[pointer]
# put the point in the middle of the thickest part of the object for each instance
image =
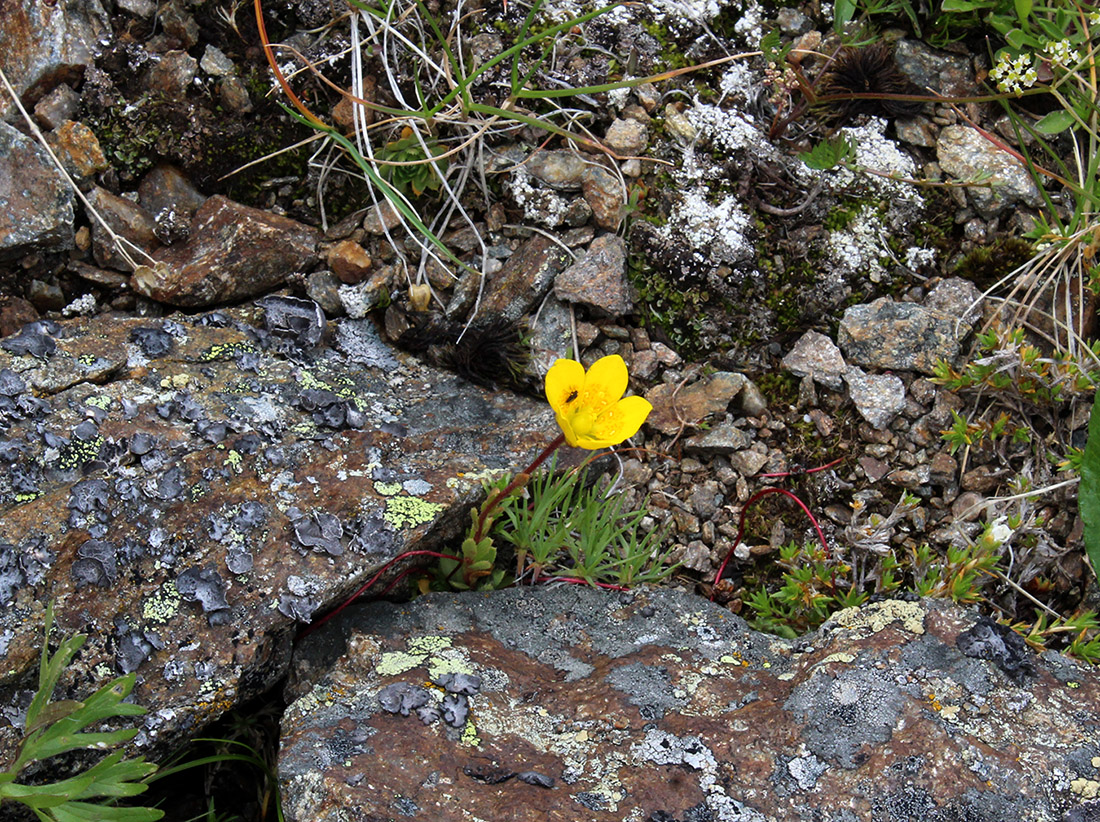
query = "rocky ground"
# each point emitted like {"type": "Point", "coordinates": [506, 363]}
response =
{"type": "Point", "coordinates": [780, 319]}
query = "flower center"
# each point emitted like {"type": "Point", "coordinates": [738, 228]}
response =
{"type": "Point", "coordinates": [583, 421]}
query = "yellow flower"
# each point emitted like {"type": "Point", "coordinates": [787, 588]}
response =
{"type": "Point", "coordinates": [588, 406]}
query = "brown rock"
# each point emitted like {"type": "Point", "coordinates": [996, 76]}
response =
{"type": "Point", "coordinates": [172, 73]}
{"type": "Point", "coordinates": [524, 279]}
{"type": "Point", "coordinates": [604, 193]}
{"type": "Point", "coordinates": [166, 190]}
{"type": "Point", "coordinates": [36, 203]}
{"type": "Point", "coordinates": [46, 43]}
{"type": "Point", "coordinates": [233, 252]}
{"type": "Point", "coordinates": [984, 479]}
{"type": "Point", "coordinates": [575, 704]}
{"type": "Point", "coordinates": [125, 218]}
{"type": "Point", "coordinates": [205, 457]}
{"type": "Point", "coordinates": [674, 409]}
{"type": "Point", "coordinates": [349, 261]}
{"type": "Point", "coordinates": [15, 312]}
{"type": "Point", "coordinates": [78, 150]}
{"type": "Point", "coordinates": [598, 279]}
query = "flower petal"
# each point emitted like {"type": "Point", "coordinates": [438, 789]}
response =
{"type": "Point", "coordinates": [622, 420]}
{"type": "Point", "coordinates": [604, 383]}
{"type": "Point", "coordinates": [564, 383]}
{"type": "Point", "coordinates": [567, 429]}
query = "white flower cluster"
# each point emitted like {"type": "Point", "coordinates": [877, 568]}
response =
{"type": "Point", "coordinates": [1062, 53]}
{"type": "Point", "coordinates": [1013, 74]}
{"type": "Point", "coordinates": [1094, 18]}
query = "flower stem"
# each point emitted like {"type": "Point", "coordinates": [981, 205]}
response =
{"type": "Point", "coordinates": [518, 481]}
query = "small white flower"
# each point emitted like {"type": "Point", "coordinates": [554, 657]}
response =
{"type": "Point", "coordinates": [1000, 531]}
{"type": "Point", "coordinates": [1094, 18]}
{"type": "Point", "coordinates": [1063, 53]}
{"type": "Point", "coordinates": [1013, 75]}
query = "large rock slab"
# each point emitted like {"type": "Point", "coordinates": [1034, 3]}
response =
{"type": "Point", "coordinates": [190, 490]}
{"type": "Point", "coordinates": [571, 703]}
{"type": "Point", "coordinates": [36, 204]}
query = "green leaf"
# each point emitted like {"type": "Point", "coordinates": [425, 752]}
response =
{"type": "Point", "coordinates": [1017, 39]}
{"type": "Point", "coordinates": [1055, 123]}
{"type": "Point", "coordinates": [1088, 496]}
{"type": "Point", "coordinates": [828, 153]}
{"type": "Point", "coordinates": [1023, 9]}
{"type": "Point", "coordinates": [843, 12]}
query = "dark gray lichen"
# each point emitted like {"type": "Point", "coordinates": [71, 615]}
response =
{"type": "Point", "coordinates": [153, 342]}
{"type": "Point", "coordinates": [207, 588]}
{"type": "Point", "coordinates": [999, 644]}
{"type": "Point", "coordinates": [33, 339]}
{"type": "Point", "coordinates": [456, 709]}
{"type": "Point", "coordinates": [319, 531]}
{"type": "Point", "coordinates": [300, 320]}
{"type": "Point", "coordinates": [96, 564]}
{"type": "Point", "coordinates": [403, 698]}
{"type": "Point", "coordinates": [459, 683]}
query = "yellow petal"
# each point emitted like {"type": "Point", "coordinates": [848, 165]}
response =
{"type": "Point", "coordinates": [564, 383]}
{"type": "Point", "coordinates": [567, 429]}
{"type": "Point", "coordinates": [622, 420]}
{"type": "Point", "coordinates": [604, 383]}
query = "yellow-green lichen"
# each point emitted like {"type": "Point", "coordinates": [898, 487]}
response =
{"type": "Point", "coordinates": [175, 382]}
{"type": "Point", "coordinates": [410, 512]}
{"type": "Point", "coordinates": [393, 663]}
{"type": "Point", "coordinates": [233, 461]}
{"type": "Point", "coordinates": [163, 605]}
{"type": "Point", "coordinates": [469, 735]}
{"type": "Point", "coordinates": [226, 351]}
{"type": "Point", "coordinates": [879, 615]}
{"type": "Point", "coordinates": [78, 452]}
{"type": "Point", "coordinates": [387, 489]}
{"type": "Point", "coordinates": [27, 496]}
{"type": "Point", "coordinates": [100, 401]}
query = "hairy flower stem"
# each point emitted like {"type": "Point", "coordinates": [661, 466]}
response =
{"type": "Point", "coordinates": [518, 481]}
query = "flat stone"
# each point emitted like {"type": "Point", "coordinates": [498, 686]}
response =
{"type": "Point", "coordinates": [46, 43]}
{"type": "Point", "coordinates": [890, 335]}
{"type": "Point", "coordinates": [674, 409]}
{"type": "Point", "coordinates": [76, 146]}
{"type": "Point", "coordinates": [722, 439]}
{"type": "Point", "coordinates": [208, 451]}
{"type": "Point", "coordinates": [233, 252]}
{"type": "Point", "coordinates": [524, 279]}
{"type": "Point", "coordinates": [659, 705]}
{"type": "Point", "coordinates": [36, 203]}
{"type": "Point", "coordinates": [560, 169]}
{"type": "Point", "coordinates": [57, 107]}
{"type": "Point", "coordinates": [598, 279]}
{"type": "Point", "coordinates": [878, 397]}
{"type": "Point", "coordinates": [604, 193]}
{"type": "Point", "coordinates": [125, 218]}
{"type": "Point", "coordinates": [964, 154]}
{"type": "Point", "coordinates": [626, 136]}
{"type": "Point", "coordinates": [551, 336]}
{"type": "Point", "coordinates": [816, 356]}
